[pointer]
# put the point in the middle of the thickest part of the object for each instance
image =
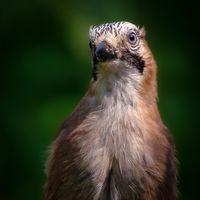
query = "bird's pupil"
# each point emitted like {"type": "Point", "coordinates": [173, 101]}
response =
{"type": "Point", "coordinates": [132, 37]}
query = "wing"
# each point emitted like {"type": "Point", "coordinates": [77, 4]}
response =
{"type": "Point", "coordinates": [168, 189]}
{"type": "Point", "coordinates": [61, 171]}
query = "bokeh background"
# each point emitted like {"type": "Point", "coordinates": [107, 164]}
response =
{"type": "Point", "coordinates": [45, 69]}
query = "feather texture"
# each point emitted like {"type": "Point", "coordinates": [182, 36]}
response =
{"type": "Point", "coordinates": [114, 146]}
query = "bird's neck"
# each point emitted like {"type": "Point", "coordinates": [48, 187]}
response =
{"type": "Point", "coordinates": [122, 88]}
{"type": "Point", "coordinates": [118, 105]}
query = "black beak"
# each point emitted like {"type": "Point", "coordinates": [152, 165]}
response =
{"type": "Point", "coordinates": [104, 53]}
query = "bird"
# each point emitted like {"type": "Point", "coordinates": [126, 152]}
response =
{"type": "Point", "coordinates": [114, 145]}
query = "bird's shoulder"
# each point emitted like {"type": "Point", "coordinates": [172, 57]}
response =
{"type": "Point", "coordinates": [76, 118]}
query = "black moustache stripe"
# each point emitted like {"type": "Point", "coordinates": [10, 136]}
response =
{"type": "Point", "coordinates": [94, 68]}
{"type": "Point", "coordinates": [134, 60]}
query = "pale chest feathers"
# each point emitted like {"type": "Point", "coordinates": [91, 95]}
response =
{"type": "Point", "coordinates": [120, 139]}
{"type": "Point", "coordinates": [115, 147]}
{"type": "Point", "coordinates": [116, 136]}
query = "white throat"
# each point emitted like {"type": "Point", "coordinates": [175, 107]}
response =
{"type": "Point", "coordinates": [117, 87]}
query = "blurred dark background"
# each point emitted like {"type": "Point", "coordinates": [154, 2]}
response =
{"type": "Point", "coordinates": [45, 69]}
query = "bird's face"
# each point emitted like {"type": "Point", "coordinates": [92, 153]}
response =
{"type": "Point", "coordinates": [117, 46]}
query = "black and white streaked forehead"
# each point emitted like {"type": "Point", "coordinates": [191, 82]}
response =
{"type": "Point", "coordinates": [115, 28]}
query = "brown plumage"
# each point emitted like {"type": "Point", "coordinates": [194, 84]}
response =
{"type": "Point", "coordinates": [114, 146]}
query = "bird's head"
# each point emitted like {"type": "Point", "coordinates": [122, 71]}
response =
{"type": "Point", "coordinates": [120, 48]}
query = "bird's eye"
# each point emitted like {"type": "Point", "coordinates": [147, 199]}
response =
{"type": "Point", "coordinates": [132, 37]}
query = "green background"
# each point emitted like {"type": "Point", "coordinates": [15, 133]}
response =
{"type": "Point", "coordinates": [45, 70]}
